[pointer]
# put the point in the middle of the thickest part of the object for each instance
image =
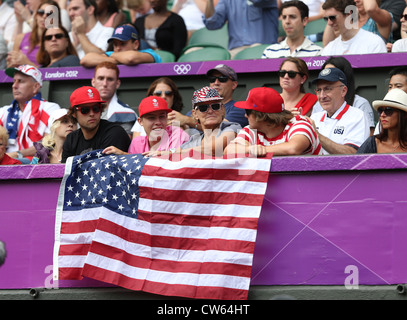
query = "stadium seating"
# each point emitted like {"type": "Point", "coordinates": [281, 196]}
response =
{"type": "Point", "coordinates": [251, 53]}
{"type": "Point", "coordinates": [166, 56]}
{"type": "Point", "coordinates": [315, 27]}
{"type": "Point", "coordinates": [204, 37]}
{"type": "Point", "coordinates": [207, 53]}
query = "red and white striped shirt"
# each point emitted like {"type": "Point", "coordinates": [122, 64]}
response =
{"type": "Point", "coordinates": [297, 125]}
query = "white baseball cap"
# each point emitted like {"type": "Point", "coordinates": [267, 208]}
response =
{"type": "Point", "coordinates": [27, 70]}
{"type": "Point", "coordinates": [56, 115]}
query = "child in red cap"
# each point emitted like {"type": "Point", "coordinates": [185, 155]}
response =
{"type": "Point", "coordinates": [272, 128]}
{"type": "Point", "coordinates": [153, 112]}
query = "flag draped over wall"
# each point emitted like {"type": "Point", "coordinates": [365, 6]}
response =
{"type": "Point", "coordinates": [183, 228]}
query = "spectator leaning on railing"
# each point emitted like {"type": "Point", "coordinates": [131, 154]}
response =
{"type": "Point", "coordinates": [125, 50]}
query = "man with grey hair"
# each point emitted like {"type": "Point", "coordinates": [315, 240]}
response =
{"type": "Point", "coordinates": [26, 118]}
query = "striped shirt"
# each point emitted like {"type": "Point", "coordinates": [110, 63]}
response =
{"type": "Point", "coordinates": [297, 125]}
{"type": "Point", "coordinates": [282, 50]}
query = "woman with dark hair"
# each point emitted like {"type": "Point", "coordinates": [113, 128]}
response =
{"type": "Point", "coordinates": [392, 137]}
{"type": "Point", "coordinates": [26, 45]}
{"type": "Point", "coordinates": [56, 49]}
{"type": "Point", "coordinates": [293, 74]}
{"type": "Point", "coordinates": [167, 89]}
{"type": "Point", "coordinates": [351, 97]}
{"type": "Point", "coordinates": [109, 14]}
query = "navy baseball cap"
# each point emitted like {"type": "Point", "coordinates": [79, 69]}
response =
{"type": "Point", "coordinates": [331, 75]}
{"type": "Point", "coordinates": [124, 33]}
{"type": "Point", "coordinates": [225, 70]}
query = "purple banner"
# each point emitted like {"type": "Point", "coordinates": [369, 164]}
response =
{"type": "Point", "coordinates": [324, 219]}
{"type": "Point", "coordinates": [200, 68]}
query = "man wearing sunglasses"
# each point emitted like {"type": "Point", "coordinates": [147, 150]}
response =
{"type": "Point", "coordinates": [94, 133]}
{"type": "Point", "coordinates": [224, 79]}
{"type": "Point", "coordinates": [341, 128]}
{"type": "Point", "coordinates": [294, 17]}
{"type": "Point", "coordinates": [106, 81]}
{"type": "Point", "coordinates": [348, 37]}
{"type": "Point", "coordinates": [26, 119]}
{"type": "Point", "coordinates": [126, 43]}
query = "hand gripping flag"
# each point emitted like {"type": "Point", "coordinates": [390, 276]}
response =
{"type": "Point", "coordinates": [181, 228]}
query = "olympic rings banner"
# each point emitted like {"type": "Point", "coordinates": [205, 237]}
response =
{"type": "Point", "coordinates": [200, 68]}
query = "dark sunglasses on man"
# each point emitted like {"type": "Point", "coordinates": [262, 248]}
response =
{"type": "Point", "coordinates": [222, 79]}
{"type": "Point", "coordinates": [205, 107]}
{"type": "Point", "coordinates": [332, 18]}
{"type": "Point", "coordinates": [85, 110]}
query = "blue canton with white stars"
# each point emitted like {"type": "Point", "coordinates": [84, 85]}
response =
{"type": "Point", "coordinates": [104, 180]}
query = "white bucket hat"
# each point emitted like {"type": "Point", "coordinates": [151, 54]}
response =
{"type": "Point", "coordinates": [395, 98]}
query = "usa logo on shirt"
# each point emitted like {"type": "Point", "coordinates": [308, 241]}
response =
{"type": "Point", "coordinates": [339, 130]}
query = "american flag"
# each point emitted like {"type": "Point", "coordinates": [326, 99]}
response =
{"type": "Point", "coordinates": [182, 227]}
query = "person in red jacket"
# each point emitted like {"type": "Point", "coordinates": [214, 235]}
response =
{"type": "Point", "coordinates": [4, 158]}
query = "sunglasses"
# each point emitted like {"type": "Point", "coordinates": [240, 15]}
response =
{"type": "Point", "coordinates": [85, 110]}
{"type": "Point", "coordinates": [387, 111]}
{"type": "Point", "coordinates": [222, 79]}
{"type": "Point", "coordinates": [332, 18]}
{"type": "Point", "coordinates": [57, 36]}
{"type": "Point", "coordinates": [291, 74]}
{"type": "Point", "coordinates": [403, 16]}
{"type": "Point", "coordinates": [159, 93]}
{"type": "Point", "coordinates": [205, 107]}
{"type": "Point", "coordinates": [41, 12]}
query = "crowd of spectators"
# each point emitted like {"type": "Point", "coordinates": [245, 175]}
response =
{"type": "Point", "coordinates": [101, 35]}
{"type": "Point", "coordinates": [352, 26]}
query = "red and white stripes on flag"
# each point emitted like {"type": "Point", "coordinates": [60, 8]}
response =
{"type": "Point", "coordinates": [192, 234]}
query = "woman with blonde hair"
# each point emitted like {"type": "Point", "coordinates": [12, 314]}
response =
{"type": "Point", "coordinates": [49, 150]}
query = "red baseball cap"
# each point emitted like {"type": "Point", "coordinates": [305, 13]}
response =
{"type": "Point", "coordinates": [151, 104]}
{"type": "Point", "coordinates": [85, 95]}
{"type": "Point", "coordinates": [263, 99]}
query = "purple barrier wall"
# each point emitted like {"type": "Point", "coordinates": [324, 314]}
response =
{"type": "Point", "coordinates": [323, 219]}
{"type": "Point", "coordinates": [200, 68]}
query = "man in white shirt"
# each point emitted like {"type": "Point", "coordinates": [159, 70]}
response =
{"type": "Point", "coordinates": [350, 38]}
{"type": "Point", "coordinates": [7, 23]}
{"type": "Point", "coordinates": [294, 17]}
{"type": "Point", "coordinates": [26, 118]}
{"type": "Point", "coordinates": [88, 34]}
{"type": "Point", "coordinates": [341, 128]}
{"type": "Point", "coordinates": [106, 81]}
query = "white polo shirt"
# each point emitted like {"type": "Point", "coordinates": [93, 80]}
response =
{"type": "Point", "coordinates": [348, 125]}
